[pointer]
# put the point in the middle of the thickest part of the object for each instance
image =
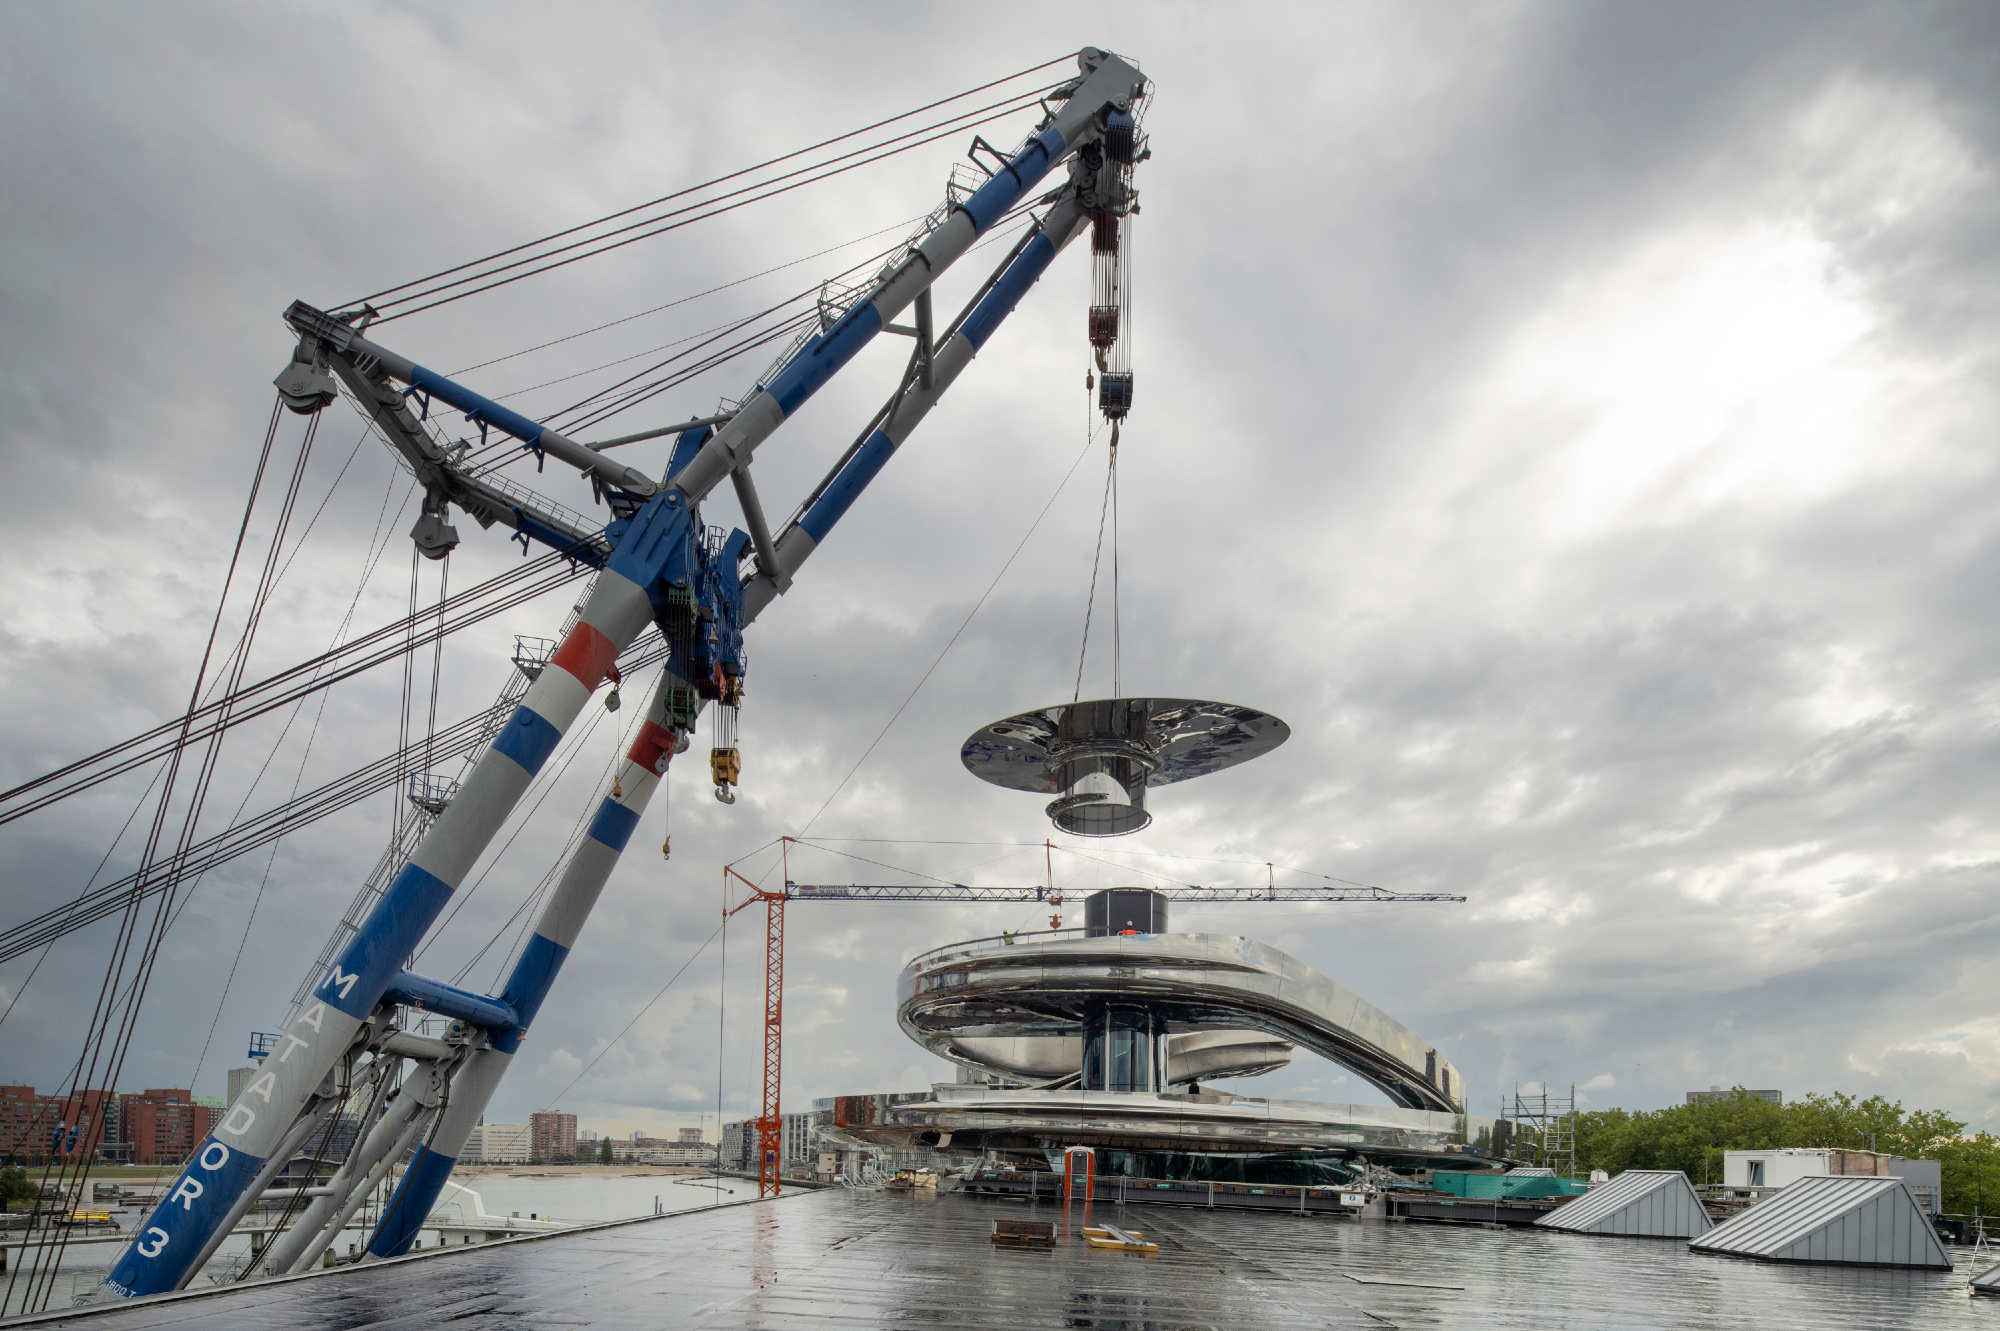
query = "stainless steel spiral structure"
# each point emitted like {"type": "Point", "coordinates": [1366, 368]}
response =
{"type": "Point", "coordinates": [1104, 1037]}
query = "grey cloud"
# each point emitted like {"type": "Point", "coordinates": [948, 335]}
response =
{"type": "Point", "coordinates": [1707, 758]}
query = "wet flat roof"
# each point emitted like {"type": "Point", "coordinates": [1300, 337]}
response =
{"type": "Point", "coordinates": [863, 1259]}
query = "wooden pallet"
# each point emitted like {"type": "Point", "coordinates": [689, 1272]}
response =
{"type": "Point", "coordinates": [1024, 1233]}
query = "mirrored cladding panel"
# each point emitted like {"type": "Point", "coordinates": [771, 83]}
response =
{"type": "Point", "coordinates": [1098, 758]}
{"type": "Point", "coordinates": [1121, 910]}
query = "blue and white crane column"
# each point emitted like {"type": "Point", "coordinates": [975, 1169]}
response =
{"type": "Point", "coordinates": [589, 868]}
{"type": "Point", "coordinates": [591, 865]}
{"type": "Point", "coordinates": [202, 1198]}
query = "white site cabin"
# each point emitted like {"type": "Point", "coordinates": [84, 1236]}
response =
{"type": "Point", "coordinates": [1759, 1172]}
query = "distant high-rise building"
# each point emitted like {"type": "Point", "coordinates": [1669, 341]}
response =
{"type": "Point", "coordinates": [691, 1137]}
{"type": "Point", "coordinates": [501, 1143]}
{"type": "Point", "coordinates": [801, 1145]}
{"type": "Point", "coordinates": [797, 1144]}
{"type": "Point", "coordinates": [739, 1147]}
{"type": "Point", "coordinates": [163, 1126]}
{"type": "Point", "coordinates": [39, 1127]}
{"type": "Point", "coordinates": [552, 1135]}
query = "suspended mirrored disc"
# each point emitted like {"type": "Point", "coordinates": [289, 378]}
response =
{"type": "Point", "coordinates": [1097, 758]}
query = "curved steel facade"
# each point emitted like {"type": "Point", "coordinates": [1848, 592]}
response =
{"type": "Point", "coordinates": [1028, 1122]}
{"type": "Point", "coordinates": [961, 1000]}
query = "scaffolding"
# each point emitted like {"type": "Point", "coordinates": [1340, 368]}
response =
{"type": "Point", "coordinates": [1548, 1122]}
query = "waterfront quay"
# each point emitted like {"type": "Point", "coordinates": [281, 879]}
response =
{"type": "Point", "coordinates": [864, 1259]}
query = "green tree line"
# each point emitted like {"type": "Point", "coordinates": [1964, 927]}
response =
{"type": "Point", "coordinates": [1692, 1138]}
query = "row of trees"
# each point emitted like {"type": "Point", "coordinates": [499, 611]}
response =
{"type": "Point", "coordinates": [1692, 1138]}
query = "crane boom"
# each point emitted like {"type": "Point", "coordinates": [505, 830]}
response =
{"type": "Point", "coordinates": [658, 565]}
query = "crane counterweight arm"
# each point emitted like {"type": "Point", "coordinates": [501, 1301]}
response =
{"type": "Point", "coordinates": [337, 337]}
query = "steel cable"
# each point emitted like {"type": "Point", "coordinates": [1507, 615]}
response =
{"type": "Point", "coordinates": [48, 1255]}
{"type": "Point", "coordinates": [955, 122]}
{"type": "Point", "coordinates": [496, 595]}
{"type": "Point", "coordinates": [453, 742]}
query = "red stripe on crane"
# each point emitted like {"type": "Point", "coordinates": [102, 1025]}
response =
{"type": "Point", "coordinates": [586, 654]}
{"type": "Point", "coordinates": [653, 749]}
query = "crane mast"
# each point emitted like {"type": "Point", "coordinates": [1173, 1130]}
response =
{"type": "Point", "coordinates": [657, 565]}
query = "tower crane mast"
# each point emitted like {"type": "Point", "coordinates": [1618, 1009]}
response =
{"type": "Point", "coordinates": [657, 564]}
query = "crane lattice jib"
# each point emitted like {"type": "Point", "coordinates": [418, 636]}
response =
{"type": "Point", "coordinates": [1189, 893]}
{"type": "Point", "coordinates": [655, 568]}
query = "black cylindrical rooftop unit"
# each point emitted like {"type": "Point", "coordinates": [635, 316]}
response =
{"type": "Point", "coordinates": [1120, 908]}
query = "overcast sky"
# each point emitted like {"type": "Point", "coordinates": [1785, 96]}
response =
{"type": "Point", "coordinates": [1576, 421]}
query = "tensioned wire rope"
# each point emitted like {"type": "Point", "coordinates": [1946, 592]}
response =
{"type": "Point", "coordinates": [202, 867]}
{"type": "Point", "coordinates": [953, 641]}
{"type": "Point", "coordinates": [496, 453]}
{"type": "Point", "coordinates": [592, 410]}
{"type": "Point", "coordinates": [159, 733]}
{"type": "Point", "coordinates": [715, 208]}
{"type": "Point", "coordinates": [1089, 441]}
{"type": "Point", "coordinates": [216, 686]}
{"type": "Point", "coordinates": [386, 291]}
{"type": "Point", "coordinates": [339, 794]}
{"type": "Point", "coordinates": [685, 300]}
{"type": "Point", "coordinates": [998, 111]}
{"type": "Point", "coordinates": [369, 562]}
{"type": "Point", "coordinates": [422, 289]}
{"type": "Point", "coordinates": [104, 1047]}
{"type": "Point", "coordinates": [544, 885]}
{"type": "Point", "coordinates": [409, 649]}
{"type": "Point", "coordinates": [520, 583]}
{"type": "Point", "coordinates": [69, 920]}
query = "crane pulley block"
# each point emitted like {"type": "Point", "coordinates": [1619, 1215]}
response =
{"type": "Point", "coordinates": [726, 766]}
{"type": "Point", "coordinates": [683, 707]}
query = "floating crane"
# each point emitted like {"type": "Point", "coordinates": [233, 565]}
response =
{"type": "Point", "coordinates": [657, 564]}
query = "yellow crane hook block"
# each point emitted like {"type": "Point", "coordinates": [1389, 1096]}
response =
{"type": "Point", "coordinates": [726, 766]}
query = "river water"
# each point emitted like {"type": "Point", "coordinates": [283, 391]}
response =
{"type": "Point", "coordinates": [581, 1199]}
